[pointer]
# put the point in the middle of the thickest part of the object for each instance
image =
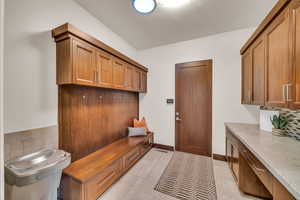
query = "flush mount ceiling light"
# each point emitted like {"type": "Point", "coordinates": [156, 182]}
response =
{"type": "Point", "coordinates": [144, 6]}
{"type": "Point", "coordinates": [172, 3]}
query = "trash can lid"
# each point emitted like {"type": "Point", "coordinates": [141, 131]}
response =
{"type": "Point", "coordinates": [36, 162]}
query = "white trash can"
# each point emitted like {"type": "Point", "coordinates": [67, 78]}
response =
{"type": "Point", "coordinates": [35, 176]}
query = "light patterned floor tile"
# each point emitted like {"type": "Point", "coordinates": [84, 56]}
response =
{"type": "Point", "coordinates": [139, 182]}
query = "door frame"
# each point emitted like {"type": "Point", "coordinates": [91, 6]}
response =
{"type": "Point", "coordinates": [208, 62]}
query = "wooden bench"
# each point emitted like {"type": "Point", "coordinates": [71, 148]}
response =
{"type": "Point", "coordinates": [89, 177]}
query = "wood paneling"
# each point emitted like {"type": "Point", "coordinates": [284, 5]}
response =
{"type": "Point", "coordinates": [90, 118]}
{"type": "Point", "coordinates": [194, 107]}
{"type": "Point", "coordinates": [64, 67]}
{"type": "Point", "coordinates": [277, 66]}
{"type": "Point", "coordinates": [246, 77]}
{"type": "Point", "coordinates": [258, 72]}
{"type": "Point", "coordinates": [294, 87]}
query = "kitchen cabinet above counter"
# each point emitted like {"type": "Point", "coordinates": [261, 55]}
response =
{"type": "Point", "coordinates": [270, 59]}
{"type": "Point", "coordinates": [279, 155]}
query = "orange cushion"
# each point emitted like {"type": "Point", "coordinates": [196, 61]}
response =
{"type": "Point", "coordinates": [140, 123]}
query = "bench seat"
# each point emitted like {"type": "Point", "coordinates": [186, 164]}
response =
{"type": "Point", "coordinates": [89, 177]}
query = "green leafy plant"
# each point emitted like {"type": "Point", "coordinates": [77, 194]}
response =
{"type": "Point", "coordinates": [278, 122]}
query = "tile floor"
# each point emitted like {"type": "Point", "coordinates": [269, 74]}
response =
{"type": "Point", "coordinates": [139, 182]}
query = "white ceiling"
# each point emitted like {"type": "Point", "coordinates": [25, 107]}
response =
{"type": "Point", "coordinates": [164, 26]}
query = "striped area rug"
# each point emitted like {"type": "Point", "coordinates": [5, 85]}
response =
{"type": "Point", "coordinates": [188, 177]}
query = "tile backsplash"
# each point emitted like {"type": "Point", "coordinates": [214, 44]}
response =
{"type": "Point", "coordinates": [29, 141]}
{"type": "Point", "coordinates": [293, 117]}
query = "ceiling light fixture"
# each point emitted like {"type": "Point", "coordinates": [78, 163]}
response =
{"type": "Point", "coordinates": [144, 6]}
{"type": "Point", "coordinates": [172, 3]}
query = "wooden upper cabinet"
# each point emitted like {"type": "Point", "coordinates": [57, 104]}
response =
{"type": "Point", "coordinates": [136, 76]}
{"type": "Point", "coordinates": [104, 65]}
{"type": "Point", "coordinates": [118, 73]}
{"type": "Point", "coordinates": [143, 85]}
{"type": "Point", "coordinates": [277, 63]}
{"type": "Point", "coordinates": [258, 72]}
{"type": "Point", "coordinates": [246, 77]}
{"type": "Point", "coordinates": [84, 63]}
{"type": "Point", "coordinates": [129, 77]}
{"type": "Point", "coordinates": [293, 88]}
{"type": "Point", "coordinates": [84, 60]}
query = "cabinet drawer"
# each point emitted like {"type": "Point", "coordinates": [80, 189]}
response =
{"type": "Point", "coordinates": [131, 157]}
{"type": "Point", "coordinates": [96, 186]}
{"type": "Point", "coordinates": [259, 169]}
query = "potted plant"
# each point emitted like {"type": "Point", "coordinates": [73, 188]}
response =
{"type": "Point", "coordinates": [279, 125]}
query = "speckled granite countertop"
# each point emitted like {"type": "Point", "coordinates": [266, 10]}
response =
{"type": "Point", "coordinates": [280, 155]}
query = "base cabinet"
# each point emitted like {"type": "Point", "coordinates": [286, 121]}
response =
{"type": "Point", "coordinates": [250, 174]}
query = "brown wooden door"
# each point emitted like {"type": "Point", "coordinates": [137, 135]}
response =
{"type": "Point", "coordinates": [246, 77]}
{"type": "Point", "coordinates": [294, 86]}
{"type": "Point", "coordinates": [136, 80]}
{"type": "Point", "coordinates": [84, 63]}
{"type": "Point", "coordinates": [104, 66]}
{"type": "Point", "coordinates": [258, 72]}
{"type": "Point", "coordinates": [129, 77]}
{"type": "Point", "coordinates": [277, 63]}
{"type": "Point", "coordinates": [194, 107]}
{"type": "Point", "coordinates": [118, 73]}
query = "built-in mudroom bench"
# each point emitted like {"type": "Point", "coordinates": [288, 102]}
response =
{"type": "Point", "coordinates": [98, 98]}
{"type": "Point", "coordinates": [262, 164]}
{"type": "Point", "coordinates": [89, 177]}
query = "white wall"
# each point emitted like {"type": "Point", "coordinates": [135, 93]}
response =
{"type": "Point", "coordinates": [1, 102]}
{"type": "Point", "coordinates": [224, 50]}
{"type": "Point", "coordinates": [29, 85]}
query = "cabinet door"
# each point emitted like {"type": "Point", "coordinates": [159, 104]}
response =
{"type": "Point", "coordinates": [129, 77]}
{"type": "Point", "coordinates": [136, 79]}
{"type": "Point", "coordinates": [104, 66]}
{"type": "Point", "coordinates": [235, 161]}
{"type": "Point", "coordinates": [294, 87]}
{"type": "Point", "coordinates": [143, 85]}
{"type": "Point", "coordinates": [228, 152]}
{"type": "Point", "coordinates": [118, 73]}
{"type": "Point", "coordinates": [84, 63]}
{"type": "Point", "coordinates": [277, 63]}
{"type": "Point", "coordinates": [246, 77]}
{"type": "Point", "coordinates": [258, 72]}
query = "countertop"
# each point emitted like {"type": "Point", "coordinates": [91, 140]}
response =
{"type": "Point", "coordinates": [280, 155]}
